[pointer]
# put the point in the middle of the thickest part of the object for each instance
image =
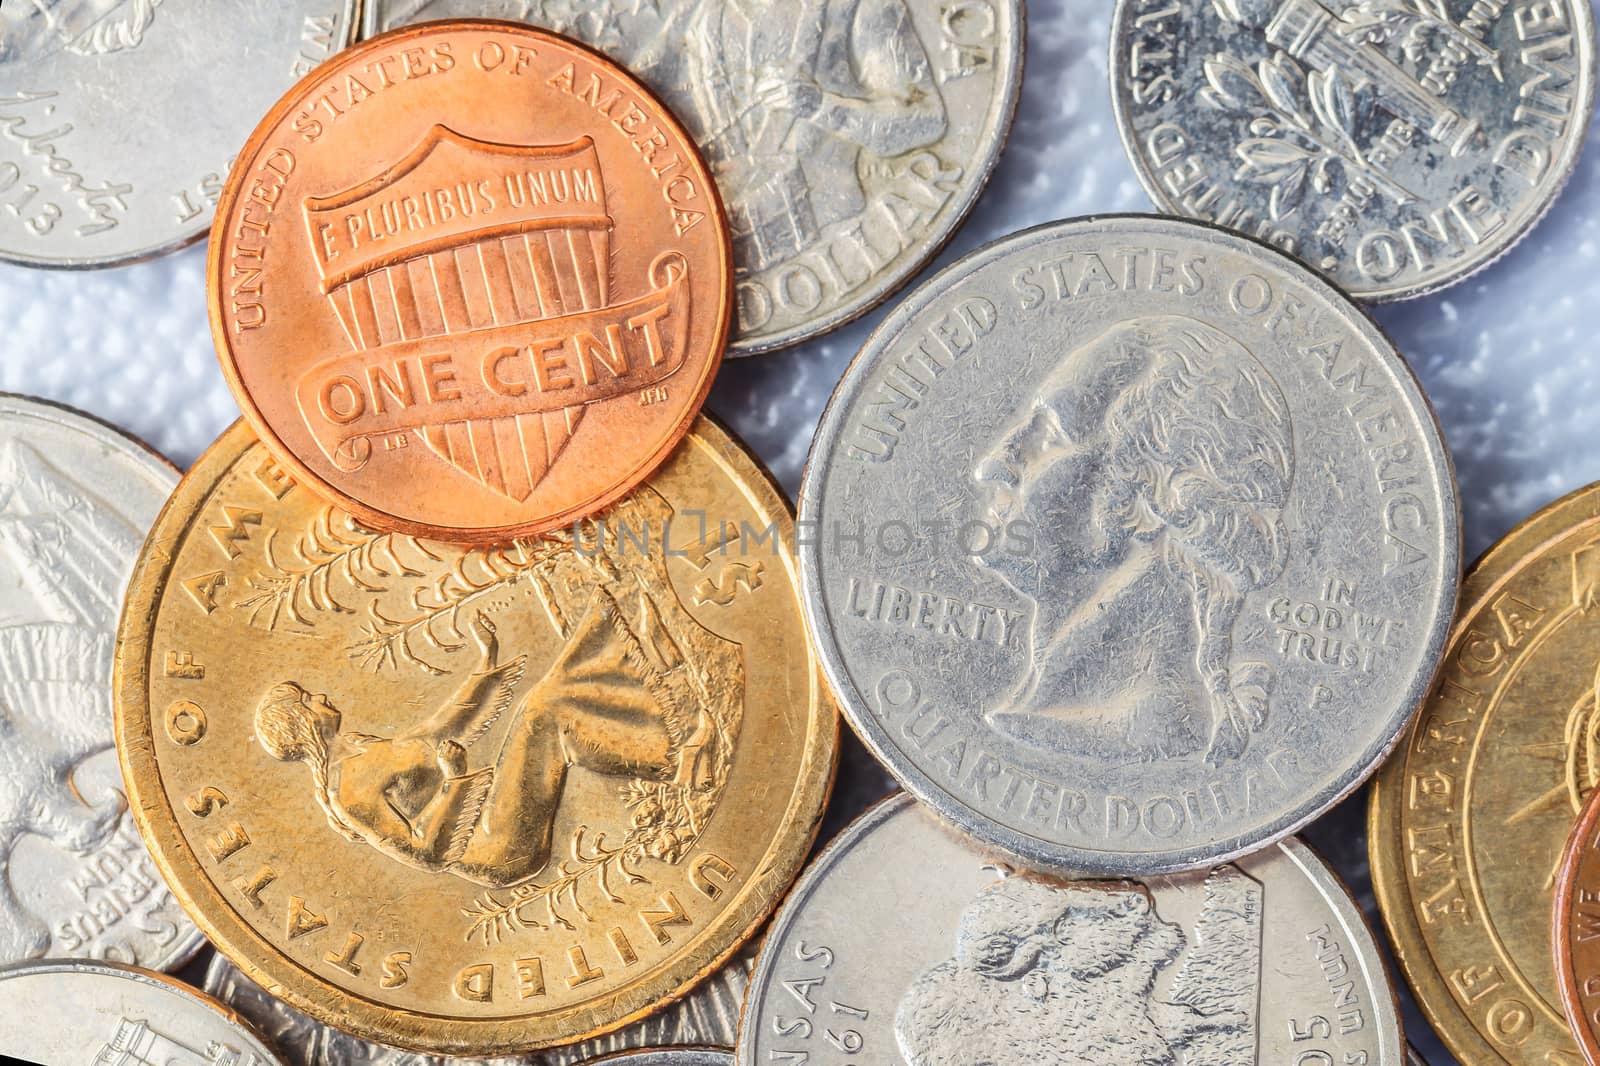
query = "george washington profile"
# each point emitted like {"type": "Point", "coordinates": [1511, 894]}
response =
{"type": "Point", "coordinates": [37, 29]}
{"type": "Point", "coordinates": [1154, 466]}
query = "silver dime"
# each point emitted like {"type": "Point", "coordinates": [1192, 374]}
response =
{"type": "Point", "coordinates": [119, 118]}
{"type": "Point", "coordinates": [1265, 960]}
{"type": "Point", "coordinates": [1129, 545]}
{"type": "Point", "coordinates": [1396, 145]}
{"type": "Point", "coordinates": [76, 499]}
{"type": "Point", "coordinates": [849, 137]}
{"type": "Point", "coordinates": [707, 1015]}
{"type": "Point", "coordinates": [94, 1012]}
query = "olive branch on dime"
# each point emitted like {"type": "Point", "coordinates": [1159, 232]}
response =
{"type": "Point", "coordinates": [558, 903]}
{"type": "Point", "coordinates": [333, 562]}
{"type": "Point", "coordinates": [1303, 126]}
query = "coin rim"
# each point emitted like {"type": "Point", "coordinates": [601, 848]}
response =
{"type": "Point", "coordinates": [1330, 887]}
{"type": "Point", "coordinates": [264, 963]}
{"type": "Point", "coordinates": [370, 515]}
{"type": "Point", "coordinates": [1033, 851]}
{"type": "Point", "coordinates": [110, 436]}
{"type": "Point", "coordinates": [1561, 919]}
{"type": "Point", "coordinates": [140, 975]}
{"type": "Point", "coordinates": [1385, 849]}
{"type": "Point", "coordinates": [353, 16]}
{"type": "Point", "coordinates": [1589, 75]}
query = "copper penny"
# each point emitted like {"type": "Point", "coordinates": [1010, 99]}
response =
{"type": "Point", "coordinates": [1575, 925]}
{"type": "Point", "coordinates": [470, 281]}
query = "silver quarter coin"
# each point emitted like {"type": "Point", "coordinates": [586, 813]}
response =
{"type": "Point", "coordinates": [1129, 544]}
{"type": "Point", "coordinates": [709, 1015]}
{"type": "Point", "coordinates": [670, 1057]}
{"type": "Point", "coordinates": [94, 1012]}
{"type": "Point", "coordinates": [76, 499]}
{"type": "Point", "coordinates": [119, 118]}
{"type": "Point", "coordinates": [1395, 145]}
{"type": "Point", "coordinates": [1265, 960]}
{"type": "Point", "coordinates": [849, 137]}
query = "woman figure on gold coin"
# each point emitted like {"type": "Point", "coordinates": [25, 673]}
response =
{"type": "Point", "coordinates": [600, 706]}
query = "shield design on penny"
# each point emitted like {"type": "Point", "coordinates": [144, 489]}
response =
{"type": "Point", "coordinates": [459, 237]}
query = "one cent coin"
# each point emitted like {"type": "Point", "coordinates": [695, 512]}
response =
{"type": "Point", "coordinates": [1576, 924]}
{"type": "Point", "coordinates": [118, 118]}
{"type": "Point", "coordinates": [470, 281]}
{"type": "Point", "coordinates": [1131, 545]}
{"type": "Point", "coordinates": [1468, 820]}
{"type": "Point", "coordinates": [1396, 147]}
{"type": "Point", "coordinates": [1265, 960]}
{"type": "Point", "coordinates": [849, 137]}
{"type": "Point", "coordinates": [61, 1011]}
{"type": "Point", "coordinates": [76, 499]}
{"type": "Point", "coordinates": [467, 800]}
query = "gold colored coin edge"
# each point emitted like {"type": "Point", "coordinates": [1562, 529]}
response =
{"type": "Point", "coordinates": [1526, 542]}
{"type": "Point", "coordinates": [265, 964]}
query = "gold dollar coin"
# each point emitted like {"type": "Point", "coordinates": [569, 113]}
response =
{"type": "Point", "coordinates": [474, 800]}
{"type": "Point", "coordinates": [1468, 820]}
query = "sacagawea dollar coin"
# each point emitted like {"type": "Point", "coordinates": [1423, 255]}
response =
{"type": "Point", "coordinates": [473, 801]}
{"type": "Point", "coordinates": [1468, 820]}
{"type": "Point", "coordinates": [1263, 960]}
{"type": "Point", "coordinates": [119, 118]}
{"type": "Point", "coordinates": [1574, 921]}
{"type": "Point", "coordinates": [1395, 147]}
{"type": "Point", "coordinates": [1130, 545]}
{"type": "Point", "coordinates": [470, 281]}
{"type": "Point", "coordinates": [76, 499]}
{"type": "Point", "coordinates": [849, 139]}
{"type": "Point", "coordinates": [64, 1011]}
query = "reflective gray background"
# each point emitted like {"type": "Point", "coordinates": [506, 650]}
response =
{"type": "Point", "coordinates": [1506, 357]}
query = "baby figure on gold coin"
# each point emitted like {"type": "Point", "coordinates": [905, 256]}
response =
{"type": "Point", "coordinates": [600, 706]}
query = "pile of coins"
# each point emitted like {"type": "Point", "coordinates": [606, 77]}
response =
{"type": "Point", "coordinates": [476, 695]}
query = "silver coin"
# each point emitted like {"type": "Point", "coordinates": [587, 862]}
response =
{"type": "Point", "coordinates": [902, 942]}
{"type": "Point", "coordinates": [1413, 1058]}
{"type": "Point", "coordinates": [1395, 145]}
{"type": "Point", "coordinates": [849, 137]}
{"type": "Point", "coordinates": [670, 1057]}
{"type": "Point", "coordinates": [76, 499]}
{"type": "Point", "coordinates": [1129, 545]}
{"type": "Point", "coordinates": [61, 1012]}
{"type": "Point", "coordinates": [709, 1015]}
{"type": "Point", "coordinates": [119, 118]}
